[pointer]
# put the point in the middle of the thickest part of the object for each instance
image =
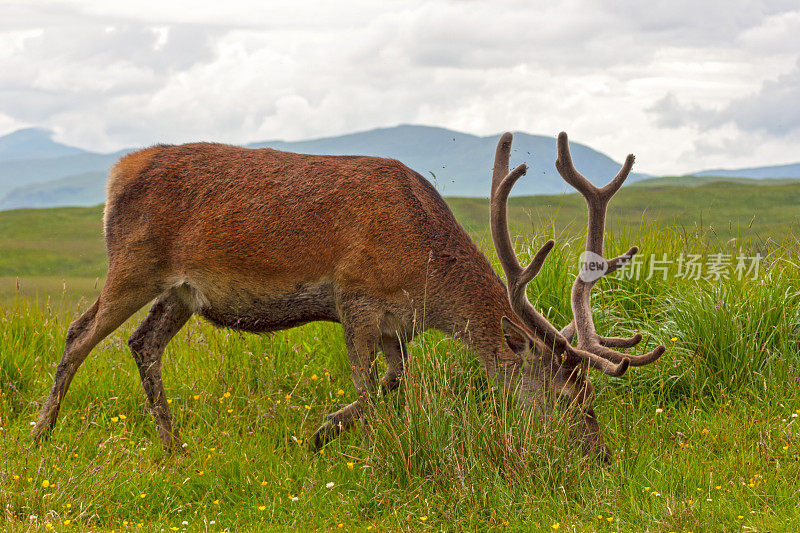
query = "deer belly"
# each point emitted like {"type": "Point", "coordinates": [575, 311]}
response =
{"type": "Point", "coordinates": [264, 312]}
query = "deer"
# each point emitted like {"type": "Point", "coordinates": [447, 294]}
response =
{"type": "Point", "coordinates": [260, 240]}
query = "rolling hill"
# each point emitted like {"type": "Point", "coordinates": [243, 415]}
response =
{"type": "Point", "coordinates": [696, 181]}
{"type": "Point", "coordinates": [774, 171]}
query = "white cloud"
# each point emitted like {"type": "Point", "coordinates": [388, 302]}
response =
{"type": "Point", "coordinates": [622, 76]}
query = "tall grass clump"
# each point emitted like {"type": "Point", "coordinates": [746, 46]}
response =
{"type": "Point", "coordinates": [737, 332]}
{"type": "Point", "coordinates": [453, 431]}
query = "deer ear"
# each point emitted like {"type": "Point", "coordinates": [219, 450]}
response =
{"type": "Point", "coordinates": [516, 337]}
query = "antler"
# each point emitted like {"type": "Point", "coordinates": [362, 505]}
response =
{"type": "Point", "coordinates": [597, 201]}
{"type": "Point", "coordinates": [591, 347]}
{"type": "Point", "coordinates": [518, 277]}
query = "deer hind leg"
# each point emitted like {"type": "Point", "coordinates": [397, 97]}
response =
{"type": "Point", "coordinates": [118, 300]}
{"type": "Point", "coordinates": [394, 352]}
{"type": "Point", "coordinates": [167, 315]}
{"type": "Point", "coordinates": [362, 346]}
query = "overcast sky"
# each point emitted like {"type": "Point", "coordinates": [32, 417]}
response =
{"type": "Point", "coordinates": [684, 84]}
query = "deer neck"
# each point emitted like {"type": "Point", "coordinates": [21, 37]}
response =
{"type": "Point", "coordinates": [469, 303]}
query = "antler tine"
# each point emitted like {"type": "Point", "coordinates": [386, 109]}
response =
{"type": "Point", "coordinates": [567, 169]}
{"type": "Point", "coordinates": [516, 276]}
{"type": "Point", "coordinates": [605, 365]}
{"type": "Point", "coordinates": [597, 200]}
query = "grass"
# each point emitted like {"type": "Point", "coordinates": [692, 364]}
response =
{"type": "Point", "coordinates": [721, 210]}
{"type": "Point", "coordinates": [706, 440]}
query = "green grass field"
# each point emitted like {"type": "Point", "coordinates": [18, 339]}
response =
{"type": "Point", "coordinates": [705, 440]}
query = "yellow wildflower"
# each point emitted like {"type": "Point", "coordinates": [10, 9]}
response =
{"type": "Point", "coordinates": [340, 392]}
{"type": "Point", "coordinates": [350, 465]}
{"type": "Point", "coordinates": [423, 518]}
{"type": "Point", "coordinates": [315, 377]}
{"type": "Point", "coordinates": [263, 483]}
{"type": "Point", "coordinates": [122, 417]}
{"type": "Point", "coordinates": [262, 508]}
{"type": "Point", "coordinates": [45, 483]}
{"type": "Point", "coordinates": [556, 525]}
{"type": "Point", "coordinates": [115, 419]}
{"type": "Point", "coordinates": [673, 339]}
{"type": "Point", "coordinates": [196, 397]}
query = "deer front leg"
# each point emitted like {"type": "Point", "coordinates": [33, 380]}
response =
{"type": "Point", "coordinates": [362, 346]}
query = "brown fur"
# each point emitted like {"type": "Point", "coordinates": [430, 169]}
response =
{"type": "Point", "coordinates": [262, 240]}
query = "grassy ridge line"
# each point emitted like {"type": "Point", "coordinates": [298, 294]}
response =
{"type": "Point", "coordinates": [67, 242]}
{"type": "Point", "coordinates": [721, 210]}
{"type": "Point", "coordinates": [446, 452]}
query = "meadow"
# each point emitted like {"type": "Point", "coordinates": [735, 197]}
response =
{"type": "Point", "coordinates": [704, 440]}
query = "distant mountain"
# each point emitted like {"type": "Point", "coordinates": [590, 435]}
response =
{"type": "Point", "coordinates": [460, 164]}
{"type": "Point", "coordinates": [457, 163]}
{"type": "Point", "coordinates": [776, 171]}
{"type": "Point", "coordinates": [18, 173]}
{"type": "Point", "coordinates": [698, 181]}
{"type": "Point", "coordinates": [33, 143]}
{"type": "Point", "coordinates": [83, 189]}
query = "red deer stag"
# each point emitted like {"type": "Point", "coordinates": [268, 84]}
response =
{"type": "Point", "coordinates": [263, 240]}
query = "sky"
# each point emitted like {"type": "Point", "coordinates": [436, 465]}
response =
{"type": "Point", "coordinates": [683, 84]}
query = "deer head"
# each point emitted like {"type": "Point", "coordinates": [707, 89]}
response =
{"type": "Point", "coordinates": [563, 372]}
